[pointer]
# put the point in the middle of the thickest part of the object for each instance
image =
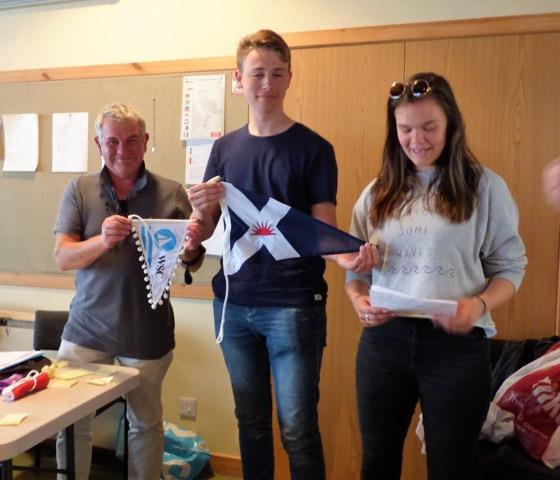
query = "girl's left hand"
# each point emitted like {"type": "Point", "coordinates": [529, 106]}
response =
{"type": "Point", "coordinates": [469, 310]}
{"type": "Point", "coordinates": [359, 262]}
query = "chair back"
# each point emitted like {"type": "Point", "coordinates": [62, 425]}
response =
{"type": "Point", "coordinates": [47, 331]}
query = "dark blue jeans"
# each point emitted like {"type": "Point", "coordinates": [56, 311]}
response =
{"type": "Point", "coordinates": [288, 342]}
{"type": "Point", "coordinates": [406, 360]}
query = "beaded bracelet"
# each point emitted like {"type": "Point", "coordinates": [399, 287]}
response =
{"type": "Point", "coordinates": [192, 263]}
{"type": "Point", "coordinates": [195, 260]}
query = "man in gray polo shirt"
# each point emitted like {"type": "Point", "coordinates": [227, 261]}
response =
{"type": "Point", "coordinates": [110, 318]}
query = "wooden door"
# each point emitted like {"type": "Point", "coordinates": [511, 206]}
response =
{"type": "Point", "coordinates": [507, 89]}
{"type": "Point", "coordinates": [340, 92]}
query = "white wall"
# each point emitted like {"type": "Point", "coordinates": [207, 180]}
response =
{"type": "Point", "coordinates": [119, 31]}
{"type": "Point", "coordinates": [104, 32]}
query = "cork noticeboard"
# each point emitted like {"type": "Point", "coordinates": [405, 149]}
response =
{"type": "Point", "coordinates": [29, 200]}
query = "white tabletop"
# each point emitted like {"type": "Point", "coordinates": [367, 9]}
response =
{"type": "Point", "coordinates": [53, 409]}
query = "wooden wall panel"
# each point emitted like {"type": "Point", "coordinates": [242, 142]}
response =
{"type": "Point", "coordinates": [340, 92]}
{"type": "Point", "coordinates": [506, 88]}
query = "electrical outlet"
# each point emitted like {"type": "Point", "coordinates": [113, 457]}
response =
{"type": "Point", "coordinates": [187, 407]}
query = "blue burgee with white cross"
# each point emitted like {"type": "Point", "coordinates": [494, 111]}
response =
{"type": "Point", "coordinates": [254, 221]}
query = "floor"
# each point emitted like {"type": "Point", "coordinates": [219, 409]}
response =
{"type": "Point", "coordinates": [105, 467]}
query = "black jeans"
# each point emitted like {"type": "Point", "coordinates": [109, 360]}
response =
{"type": "Point", "coordinates": [406, 360]}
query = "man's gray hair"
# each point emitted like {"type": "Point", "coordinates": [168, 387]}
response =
{"type": "Point", "coordinates": [121, 113]}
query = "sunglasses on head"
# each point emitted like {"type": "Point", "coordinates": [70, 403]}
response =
{"type": "Point", "coordinates": [418, 89]}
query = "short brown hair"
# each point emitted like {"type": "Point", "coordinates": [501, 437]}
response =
{"type": "Point", "coordinates": [264, 39]}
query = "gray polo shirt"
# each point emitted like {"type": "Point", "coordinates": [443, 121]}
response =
{"type": "Point", "coordinates": [110, 311]}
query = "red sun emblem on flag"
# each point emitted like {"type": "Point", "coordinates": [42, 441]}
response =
{"type": "Point", "coordinates": [263, 229]}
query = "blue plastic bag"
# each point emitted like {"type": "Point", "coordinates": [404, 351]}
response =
{"type": "Point", "coordinates": [184, 453]}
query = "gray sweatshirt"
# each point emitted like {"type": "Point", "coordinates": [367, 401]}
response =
{"type": "Point", "coordinates": [424, 255]}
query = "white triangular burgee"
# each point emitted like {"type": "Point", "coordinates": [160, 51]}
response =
{"type": "Point", "coordinates": [160, 243]}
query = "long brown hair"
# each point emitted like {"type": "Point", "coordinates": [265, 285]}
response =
{"type": "Point", "coordinates": [455, 183]}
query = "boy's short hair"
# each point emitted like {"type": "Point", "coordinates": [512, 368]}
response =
{"type": "Point", "coordinates": [264, 39]}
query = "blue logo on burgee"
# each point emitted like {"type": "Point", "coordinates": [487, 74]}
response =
{"type": "Point", "coordinates": [165, 239]}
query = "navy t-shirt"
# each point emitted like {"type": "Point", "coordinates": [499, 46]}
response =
{"type": "Point", "coordinates": [296, 167]}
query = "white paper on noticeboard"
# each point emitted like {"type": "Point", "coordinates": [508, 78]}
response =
{"type": "Point", "coordinates": [215, 244]}
{"type": "Point", "coordinates": [198, 153]}
{"type": "Point", "coordinates": [203, 106]}
{"type": "Point", "coordinates": [70, 142]}
{"type": "Point", "coordinates": [21, 142]}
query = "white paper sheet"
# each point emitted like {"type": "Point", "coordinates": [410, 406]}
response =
{"type": "Point", "coordinates": [203, 106]}
{"type": "Point", "coordinates": [198, 152]}
{"type": "Point", "coordinates": [10, 359]}
{"type": "Point", "coordinates": [407, 306]}
{"type": "Point", "coordinates": [21, 141]}
{"type": "Point", "coordinates": [215, 244]}
{"type": "Point", "coordinates": [70, 142]}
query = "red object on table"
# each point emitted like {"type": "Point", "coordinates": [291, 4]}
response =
{"type": "Point", "coordinates": [33, 382]}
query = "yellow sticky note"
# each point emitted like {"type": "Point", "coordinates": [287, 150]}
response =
{"type": "Point", "coordinates": [101, 380]}
{"type": "Point", "coordinates": [13, 419]}
{"type": "Point", "coordinates": [49, 369]}
{"type": "Point", "coordinates": [72, 373]}
{"type": "Point", "coordinates": [59, 383]}
{"type": "Point", "coordinates": [106, 371]}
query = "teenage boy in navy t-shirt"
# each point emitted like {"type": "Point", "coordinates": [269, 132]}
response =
{"type": "Point", "coordinates": [275, 315]}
